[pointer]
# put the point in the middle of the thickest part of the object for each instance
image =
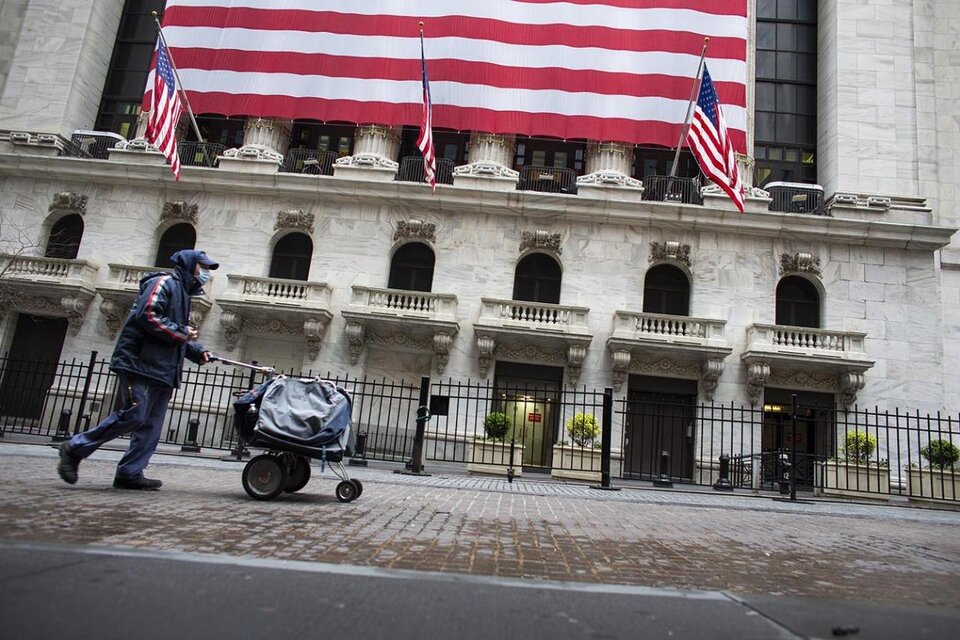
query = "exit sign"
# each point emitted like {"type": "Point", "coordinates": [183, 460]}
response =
{"type": "Point", "coordinates": [534, 417]}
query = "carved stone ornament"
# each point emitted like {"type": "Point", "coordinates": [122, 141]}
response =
{"type": "Point", "coordinates": [850, 383]}
{"type": "Point", "coordinates": [670, 250]}
{"type": "Point", "coordinates": [799, 263]}
{"type": "Point", "coordinates": [179, 210]}
{"type": "Point", "coordinates": [253, 152]}
{"type": "Point", "coordinates": [485, 348]}
{"type": "Point", "coordinates": [294, 219]}
{"type": "Point", "coordinates": [354, 331]}
{"type": "Point", "coordinates": [540, 239]}
{"type": "Point", "coordinates": [710, 372]}
{"type": "Point", "coordinates": [232, 328]}
{"type": "Point", "coordinates": [621, 367]}
{"type": "Point", "coordinates": [485, 170]}
{"type": "Point", "coordinates": [748, 192]}
{"type": "Point", "coordinates": [367, 160]}
{"type": "Point", "coordinates": [441, 349]}
{"type": "Point", "coordinates": [68, 201]}
{"type": "Point", "coordinates": [757, 375]}
{"type": "Point", "coordinates": [575, 355]}
{"type": "Point", "coordinates": [313, 329]}
{"type": "Point", "coordinates": [414, 230]}
{"type": "Point", "coordinates": [609, 178]}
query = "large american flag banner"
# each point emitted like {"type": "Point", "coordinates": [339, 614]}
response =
{"type": "Point", "coordinates": [163, 102]}
{"type": "Point", "coordinates": [613, 70]}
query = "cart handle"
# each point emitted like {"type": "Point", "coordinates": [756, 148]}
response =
{"type": "Point", "coordinates": [215, 358]}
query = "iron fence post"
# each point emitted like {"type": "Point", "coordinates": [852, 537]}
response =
{"type": "Point", "coordinates": [793, 448]}
{"type": "Point", "coordinates": [664, 479]}
{"type": "Point", "coordinates": [606, 436]}
{"type": "Point", "coordinates": [63, 425]}
{"type": "Point", "coordinates": [510, 470]}
{"type": "Point", "coordinates": [723, 482]}
{"type": "Point", "coordinates": [415, 466]}
{"type": "Point", "coordinates": [193, 424]}
{"type": "Point", "coordinates": [86, 391]}
{"type": "Point", "coordinates": [1, 421]}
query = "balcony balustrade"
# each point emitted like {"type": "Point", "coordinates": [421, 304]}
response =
{"type": "Point", "coordinates": [541, 331]}
{"type": "Point", "coordinates": [680, 345]}
{"type": "Point", "coordinates": [200, 154]}
{"type": "Point", "coordinates": [253, 305]}
{"type": "Point", "coordinates": [416, 321]}
{"type": "Point", "coordinates": [672, 189]}
{"type": "Point", "coordinates": [805, 357]}
{"type": "Point", "coordinates": [309, 161]}
{"type": "Point", "coordinates": [55, 287]}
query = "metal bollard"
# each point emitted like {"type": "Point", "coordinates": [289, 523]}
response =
{"type": "Point", "coordinates": [785, 478]}
{"type": "Point", "coordinates": [359, 457]}
{"type": "Point", "coordinates": [664, 479]}
{"type": "Point", "coordinates": [193, 424]}
{"type": "Point", "coordinates": [86, 424]}
{"type": "Point", "coordinates": [510, 470]}
{"type": "Point", "coordinates": [723, 482]}
{"type": "Point", "coordinates": [63, 426]}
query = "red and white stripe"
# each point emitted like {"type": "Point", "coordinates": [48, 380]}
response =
{"type": "Point", "coordinates": [165, 109]}
{"type": "Point", "coordinates": [618, 70]}
{"type": "Point", "coordinates": [150, 311]}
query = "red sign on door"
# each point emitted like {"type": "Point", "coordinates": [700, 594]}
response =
{"type": "Point", "coordinates": [534, 417]}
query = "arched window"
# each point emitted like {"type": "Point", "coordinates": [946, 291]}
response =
{"type": "Point", "coordinates": [65, 235]}
{"type": "Point", "coordinates": [291, 257]}
{"type": "Point", "coordinates": [798, 303]}
{"type": "Point", "coordinates": [666, 290]}
{"type": "Point", "coordinates": [179, 236]}
{"type": "Point", "coordinates": [537, 279]}
{"type": "Point", "coordinates": [412, 268]}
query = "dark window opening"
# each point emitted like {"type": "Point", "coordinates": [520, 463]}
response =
{"type": "Point", "coordinates": [537, 279]}
{"type": "Point", "coordinates": [129, 65]}
{"type": "Point", "coordinates": [291, 257]}
{"type": "Point", "coordinates": [546, 152]}
{"type": "Point", "coordinates": [179, 236]}
{"type": "Point", "coordinates": [666, 290]}
{"type": "Point", "coordinates": [411, 268]}
{"type": "Point", "coordinates": [65, 236]}
{"type": "Point", "coordinates": [798, 303]}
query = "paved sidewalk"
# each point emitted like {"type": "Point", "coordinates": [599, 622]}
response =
{"type": "Point", "coordinates": [451, 522]}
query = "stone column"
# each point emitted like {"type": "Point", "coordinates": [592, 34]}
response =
{"type": "Point", "coordinates": [491, 157]}
{"type": "Point", "coordinates": [375, 150]}
{"type": "Point", "coordinates": [608, 165]}
{"type": "Point", "coordinates": [265, 140]}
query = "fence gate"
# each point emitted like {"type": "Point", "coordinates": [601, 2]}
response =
{"type": "Point", "coordinates": [657, 422]}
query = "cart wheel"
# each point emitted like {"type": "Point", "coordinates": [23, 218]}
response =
{"type": "Point", "coordinates": [346, 491]}
{"type": "Point", "coordinates": [359, 487]}
{"type": "Point", "coordinates": [298, 475]}
{"type": "Point", "coordinates": [264, 477]}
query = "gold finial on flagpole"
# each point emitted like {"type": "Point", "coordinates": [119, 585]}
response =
{"type": "Point", "coordinates": [154, 14]}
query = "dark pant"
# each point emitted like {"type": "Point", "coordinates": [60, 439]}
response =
{"type": "Point", "coordinates": [144, 405]}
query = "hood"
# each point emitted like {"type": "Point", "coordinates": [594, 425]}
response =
{"type": "Point", "coordinates": [185, 262]}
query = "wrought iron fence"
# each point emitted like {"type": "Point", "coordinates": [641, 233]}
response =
{"type": "Point", "coordinates": [200, 154]}
{"type": "Point", "coordinates": [545, 428]}
{"type": "Point", "coordinates": [672, 189]}
{"type": "Point", "coordinates": [547, 179]}
{"type": "Point", "coordinates": [309, 161]}
{"type": "Point", "coordinates": [411, 170]}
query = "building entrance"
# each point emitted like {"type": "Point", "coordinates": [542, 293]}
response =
{"type": "Point", "coordinates": [30, 366]}
{"type": "Point", "coordinates": [530, 396]}
{"type": "Point", "coordinates": [809, 437]}
{"type": "Point", "coordinates": [659, 417]}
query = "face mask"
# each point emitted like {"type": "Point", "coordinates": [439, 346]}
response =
{"type": "Point", "coordinates": [204, 276]}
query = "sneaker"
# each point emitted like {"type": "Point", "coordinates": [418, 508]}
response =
{"type": "Point", "coordinates": [141, 483]}
{"type": "Point", "coordinates": [67, 468]}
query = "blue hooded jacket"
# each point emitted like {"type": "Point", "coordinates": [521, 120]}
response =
{"type": "Point", "coordinates": [153, 341]}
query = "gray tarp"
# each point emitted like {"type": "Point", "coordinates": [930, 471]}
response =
{"type": "Point", "coordinates": [312, 412]}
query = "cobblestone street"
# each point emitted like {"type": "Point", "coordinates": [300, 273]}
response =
{"type": "Point", "coordinates": [530, 529]}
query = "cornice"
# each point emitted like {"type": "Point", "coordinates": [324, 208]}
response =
{"type": "Point", "coordinates": [616, 207]}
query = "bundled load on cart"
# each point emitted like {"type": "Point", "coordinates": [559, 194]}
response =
{"type": "Point", "coordinates": [294, 419]}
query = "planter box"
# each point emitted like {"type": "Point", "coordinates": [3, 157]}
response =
{"type": "Point", "coordinates": [576, 463]}
{"type": "Point", "coordinates": [490, 456]}
{"type": "Point", "coordinates": [933, 484]}
{"type": "Point", "coordinates": [863, 481]}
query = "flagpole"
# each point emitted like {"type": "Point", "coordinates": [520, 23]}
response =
{"type": "Point", "coordinates": [686, 120]}
{"type": "Point", "coordinates": [183, 93]}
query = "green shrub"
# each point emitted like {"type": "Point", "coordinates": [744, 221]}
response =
{"type": "Point", "coordinates": [940, 454]}
{"type": "Point", "coordinates": [496, 425]}
{"type": "Point", "coordinates": [858, 446]}
{"type": "Point", "coordinates": [583, 429]}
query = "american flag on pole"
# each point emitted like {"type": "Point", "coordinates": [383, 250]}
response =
{"type": "Point", "coordinates": [612, 70]}
{"type": "Point", "coordinates": [425, 141]}
{"type": "Point", "coordinates": [711, 145]}
{"type": "Point", "coordinates": [165, 108]}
